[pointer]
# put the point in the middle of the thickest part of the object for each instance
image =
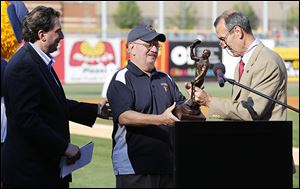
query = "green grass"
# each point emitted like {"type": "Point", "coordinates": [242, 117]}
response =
{"type": "Point", "coordinates": [99, 173]}
{"type": "Point", "coordinates": [296, 178]}
{"type": "Point", "coordinates": [83, 91]}
{"type": "Point", "coordinates": [293, 89]}
{"type": "Point", "coordinates": [103, 121]}
{"type": "Point", "coordinates": [93, 91]}
{"type": "Point", "coordinates": [293, 116]}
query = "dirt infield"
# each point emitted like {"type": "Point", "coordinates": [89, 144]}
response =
{"type": "Point", "coordinates": [293, 101]}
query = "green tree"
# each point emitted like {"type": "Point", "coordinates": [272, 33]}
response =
{"type": "Point", "coordinates": [185, 19]}
{"type": "Point", "coordinates": [293, 18]}
{"type": "Point", "coordinates": [128, 14]}
{"type": "Point", "coordinates": [246, 9]}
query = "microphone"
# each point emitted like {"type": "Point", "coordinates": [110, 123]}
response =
{"type": "Point", "coordinates": [219, 71]}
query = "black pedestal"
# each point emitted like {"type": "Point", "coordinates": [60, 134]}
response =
{"type": "Point", "coordinates": [233, 154]}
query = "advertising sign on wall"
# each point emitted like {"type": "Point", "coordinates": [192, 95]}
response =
{"type": "Point", "coordinates": [88, 60]}
{"type": "Point", "coordinates": [290, 55]}
{"type": "Point", "coordinates": [59, 57]}
{"type": "Point", "coordinates": [92, 60]}
{"type": "Point", "coordinates": [181, 65]}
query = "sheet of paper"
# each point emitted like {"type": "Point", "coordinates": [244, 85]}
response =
{"type": "Point", "coordinates": [85, 158]}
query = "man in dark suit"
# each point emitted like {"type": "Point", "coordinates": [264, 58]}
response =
{"type": "Point", "coordinates": [38, 112]}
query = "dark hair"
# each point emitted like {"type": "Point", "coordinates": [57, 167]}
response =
{"type": "Point", "coordinates": [233, 18]}
{"type": "Point", "coordinates": [40, 18]}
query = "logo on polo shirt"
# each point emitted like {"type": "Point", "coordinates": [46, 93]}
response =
{"type": "Point", "coordinates": [165, 86]}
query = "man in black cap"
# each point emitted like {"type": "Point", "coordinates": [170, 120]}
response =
{"type": "Point", "coordinates": [142, 99]}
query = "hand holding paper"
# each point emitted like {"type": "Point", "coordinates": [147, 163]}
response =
{"type": "Point", "coordinates": [72, 153]}
{"type": "Point", "coordinates": [86, 152]}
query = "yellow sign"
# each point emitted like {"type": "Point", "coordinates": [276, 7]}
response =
{"type": "Point", "coordinates": [290, 55]}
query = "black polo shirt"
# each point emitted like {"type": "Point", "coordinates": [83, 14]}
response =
{"type": "Point", "coordinates": [147, 149]}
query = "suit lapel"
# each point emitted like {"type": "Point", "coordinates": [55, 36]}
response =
{"type": "Point", "coordinates": [246, 78]}
{"type": "Point", "coordinates": [236, 89]}
{"type": "Point", "coordinates": [254, 56]}
{"type": "Point", "coordinates": [58, 82]}
{"type": "Point", "coordinates": [57, 90]}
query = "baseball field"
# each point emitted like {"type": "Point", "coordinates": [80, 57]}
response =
{"type": "Point", "coordinates": [99, 173]}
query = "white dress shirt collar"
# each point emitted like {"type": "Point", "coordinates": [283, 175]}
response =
{"type": "Point", "coordinates": [48, 59]}
{"type": "Point", "coordinates": [250, 51]}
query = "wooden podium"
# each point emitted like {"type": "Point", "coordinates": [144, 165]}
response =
{"type": "Point", "coordinates": [233, 154]}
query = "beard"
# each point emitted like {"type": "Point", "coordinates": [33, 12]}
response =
{"type": "Point", "coordinates": [53, 48]}
{"type": "Point", "coordinates": [151, 63]}
{"type": "Point", "coordinates": [151, 67]}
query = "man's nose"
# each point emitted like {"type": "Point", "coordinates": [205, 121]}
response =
{"type": "Point", "coordinates": [61, 35]}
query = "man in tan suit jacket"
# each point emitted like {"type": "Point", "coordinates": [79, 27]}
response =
{"type": "Point", "coordinates": [263, 71]}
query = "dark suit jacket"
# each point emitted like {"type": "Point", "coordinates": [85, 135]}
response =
{"type": "Point", "coordinates": [3, 66]}
{"type": "Point", "coordinates": [38, 116]}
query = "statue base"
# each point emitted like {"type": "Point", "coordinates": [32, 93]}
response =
{"type": "Point", "coordinates": [189, 110]}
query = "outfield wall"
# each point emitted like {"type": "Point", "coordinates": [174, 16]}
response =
{"type": "Point", "coordinates": [92, 60]}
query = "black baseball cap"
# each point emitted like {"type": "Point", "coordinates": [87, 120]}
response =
{"type": "Point", "coordinates": [145, 33]}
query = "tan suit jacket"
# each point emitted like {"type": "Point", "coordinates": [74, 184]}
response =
{"type": "Point", "coordinates": [266, 73]}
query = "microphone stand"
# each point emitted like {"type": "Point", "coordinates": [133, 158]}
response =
{"type": "Point", "coordinates": [233, 82]}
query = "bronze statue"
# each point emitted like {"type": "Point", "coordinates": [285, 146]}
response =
{"type": "Point", "coordinates": [190, 109]}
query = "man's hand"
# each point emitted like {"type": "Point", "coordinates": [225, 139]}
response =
{"type": "Point", "coordinates": [104, 110]}
{"type": "Point", "coordinates": [167, 117]}
{"type": "Point", "coordinates": [72, 153]}
{"type": "Point", "coordinates": [202, 97]}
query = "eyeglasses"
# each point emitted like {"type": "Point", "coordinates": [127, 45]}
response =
{"type": "Point", "coordinates": [223, 39]}
{"type": "Point", "coordinates": [149, 45]}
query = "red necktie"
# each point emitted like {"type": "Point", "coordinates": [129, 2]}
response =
{"type": "Point", "coordinates": [241, 69]}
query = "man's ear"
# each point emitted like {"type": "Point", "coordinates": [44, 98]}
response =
{"type": "Point", "coordinates": [41, 35]}
{"type": "Point", "coordinates": [240, 32]}
{"type": "Point", "coordinates": [129, 48]}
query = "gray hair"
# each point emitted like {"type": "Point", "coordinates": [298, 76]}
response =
{"type": "Point", "coordinates": [234, 18]}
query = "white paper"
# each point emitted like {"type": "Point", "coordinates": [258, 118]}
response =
{"type": "Point", "coordinates": [85, 158]}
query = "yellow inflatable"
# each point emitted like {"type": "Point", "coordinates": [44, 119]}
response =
{"type": "Point", "coordinates": [12, 16]}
